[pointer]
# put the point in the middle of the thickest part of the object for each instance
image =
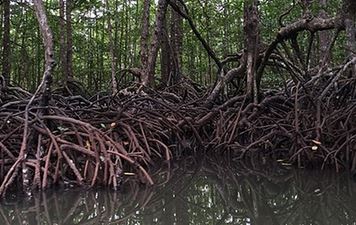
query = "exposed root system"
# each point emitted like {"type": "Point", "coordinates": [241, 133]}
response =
{"type": "Point", "coordinates": [99, 140]}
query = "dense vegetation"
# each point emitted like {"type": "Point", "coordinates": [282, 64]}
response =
{"type": "Point", "coordinates": [93, 89]}
{"type": "Point", "coordinates": [220, 23]}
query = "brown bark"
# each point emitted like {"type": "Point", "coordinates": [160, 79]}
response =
{"type": "Point", "coordinates": [166, 59]}
{"type": "Point", "coordinates": [185, 14]}
{"type": "Point", "coordinates": [251, 30]}
{"type": "Point", "coordinates": [176, 43]}
{"type": "Point", "coordinates": [171, 49]}
{"type": "Point", "coordinates": [148, 74]}
{"type": "Point", "coordinates": [350, 28]}
{"type": "Point", "coordinates": [112, 52]}
{"type": "Point", "coordinates": [62, 42]}
{"type": "Point", "coordinates": [45, 85]}
{"type": "Point", "coordinates": [223, 79]}
{"type": "Point", "coordinates": [349, 16]}
{"type": "Point", "coordinates": [69, 50]}
{"type": "Point", "coordinates": [324, 37]}
{"type": "Point", "coordinates": [6, 51]}
{"type": "Point", "coordinates": [145, 33]}
{"type": "Point", "coordinates": [47, 37]}
{"type": "Point", "coordinates": [316, 24]}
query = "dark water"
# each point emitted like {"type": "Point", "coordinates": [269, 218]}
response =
{"type": "Point", "coordinates": [205, 192]}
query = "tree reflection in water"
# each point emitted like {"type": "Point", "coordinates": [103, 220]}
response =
{"type": "Point", "coordinates": [211, 191]}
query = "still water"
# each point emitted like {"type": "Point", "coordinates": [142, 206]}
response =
{"type": "Point", "coordinates": [195, 191]}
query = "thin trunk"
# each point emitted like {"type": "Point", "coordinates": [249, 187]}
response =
{"type": "Point", "coordinates": [166, 59]}
{"type": "Point", "coordinates": [97, 54]}
{"type": "Point", "coordinates": [176, 43]}
{"type": "Point", "coordinates": [62, 42]}
{"type": "Point", "coordinates": [145, 33]}
{"type": "Point", "coordinates": [122, 45]}
{"type": "Point", "coordinates": [251, 29]}
{"type": "Point", "coordinates": [17, 66]}
{"type": "Point", "coordinates": [324, 37]}
{"type": "Point", "coordinates": [69, 39]}
{"type": "Point", "coordinates": [208, 36]}
{"type": "Point", "coordinates": [112, 52]}
{"type": "Point", "coordinates": [6, 66]}
{"type": "Point", "coordinates": [39, 62]}
{"type": "Point", "coordinates": [45, 84]}
{"type": "Point", "coordinates": [350, 27]}
{"type": "Point", "coordinates": [101, 58]}
{"type": "Point", "coordinates": [148, 79]}
{"type": "Point", "coordinates": [136, 53]}
{"type": "Point", "coordinates": [47, 38]}
{"type": "Point", "coordinates": [126, 42]}
{"type": "Point", "coordinates": [24, 67]}
{"type": "Point", "coordinates": [90, 58]}
{"type": "Point", "coordinates": [116, 41]}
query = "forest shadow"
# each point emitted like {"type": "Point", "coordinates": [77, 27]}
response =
{"type": "Point", "coordinates": [196, 191]}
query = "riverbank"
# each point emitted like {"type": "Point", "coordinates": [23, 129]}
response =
{"type": "Point", "coordinates": [96, 141]}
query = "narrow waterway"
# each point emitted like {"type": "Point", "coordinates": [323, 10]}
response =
{"type": "Point", "coordinates": [195, 191]}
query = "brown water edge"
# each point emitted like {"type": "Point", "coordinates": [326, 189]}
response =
{"type": "Point", "coordinates": [273, 163]}
{"type": "Point", "coordinates": [199, 191]}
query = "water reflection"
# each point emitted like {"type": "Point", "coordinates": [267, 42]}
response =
{"type": "Point", "coordinates": [207, 192]}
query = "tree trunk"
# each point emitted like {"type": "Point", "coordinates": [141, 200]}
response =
{"type": "Point", "coordinates": [148, 73]}
{"type": "Point", "coordinates": [47, 38]}
{"type": "Point", "coordinates": [145, 33]}
{"type": "Point", "coordinates": [166, 59]}
{"type": "Point", "coordinates": [6, 51]}
{"type": "Point", "coordinates": [171, 50]}
{"type": "Point", "coordinates": [350, 28]}
{"type": "Point", "coordinates": [62, 43]}
{"type": "Point", "coordinates": [112, 52]}
{"type": "Point", "coordinates": [69, 39]}
{"type": "Point", "coordinates": [251, 29]}
{"type": "Point", "coordinates": [324, 37]}
{"type": "Point", "coordinates": [45, 85]}
{"type": "Point", "coordinates": [176, 43]}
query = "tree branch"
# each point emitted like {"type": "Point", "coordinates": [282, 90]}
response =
{"type": "Point", "coordinates": [186, 16]}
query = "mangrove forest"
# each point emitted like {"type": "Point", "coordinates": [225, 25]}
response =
{"type": "Point", "coordinates": [96, 93]}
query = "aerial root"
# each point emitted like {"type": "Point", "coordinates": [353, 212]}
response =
{"type": "Point", "coordinates": [104, 139]}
